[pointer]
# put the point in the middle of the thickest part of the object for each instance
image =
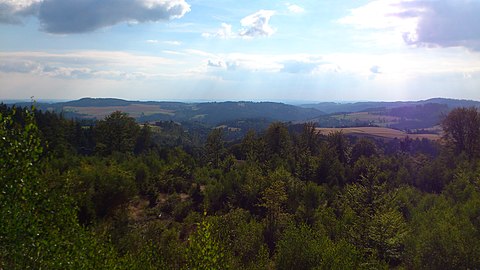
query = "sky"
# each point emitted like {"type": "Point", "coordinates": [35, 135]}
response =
{"type": "Point", "coordinates": [313, 50]}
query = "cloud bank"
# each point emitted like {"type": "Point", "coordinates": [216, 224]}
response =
{"type": "Point", "coordinates": [79, 16]}
{"type": "Point", "coordinates": [423, 23]}
{"type": "Point", "coordinates": [447, 23]}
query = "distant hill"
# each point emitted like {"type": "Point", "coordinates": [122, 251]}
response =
{"type": "Point", "coordinates": [211, 113]}
{"type": "Point", "coordinates": [240, 116]}
{"type": "Point", "coordinates": [332, 107]}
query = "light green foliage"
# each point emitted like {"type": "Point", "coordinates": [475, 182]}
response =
{"type": "Point", "coordinates": [38, 227]}
{"type": "Point", "coordinates": [446, 228]}
{"type": "Point", "coordinates": [303, 248]}
{"type": "Point", "coordinates": [374, 223]}
{"type": "Point", "coordinates": [442, 238]}
{"type": "Point", "coordinates": [204, 250]}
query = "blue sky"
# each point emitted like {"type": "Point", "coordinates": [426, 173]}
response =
{"type": "Point", "coordinates": [240, 50]}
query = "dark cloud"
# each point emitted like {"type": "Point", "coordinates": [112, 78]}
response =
{"type": "Point", "coordinates": [446, 23]}
{"type": "Point", "coordinates": [78, 16]}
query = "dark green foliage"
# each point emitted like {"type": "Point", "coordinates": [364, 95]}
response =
{"type": "Point", "coordinates": [363, 147]}
{"type": "Point", "coordinates": [116, 133]}
{"type": "Point", "coordinates": [462, 130]}
{"type": "Point", "coordinates": [215, 148]}
{"type": "Point", "coordinates": [340, 144]}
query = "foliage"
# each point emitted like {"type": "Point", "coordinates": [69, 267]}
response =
{"type": "Point", "coordinates": [38, 227]}
{"type": "Point", "coordinates": [303, 248]}
{"type": "Point", "coordinates": [282, 198]}
{"type": "Point", "coordinates": [116, 133]}
{"type": "Point", "coordinates": [462, 130]}
{"type": "Point", "coordinates": [204, 250]}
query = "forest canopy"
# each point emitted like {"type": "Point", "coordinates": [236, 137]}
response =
{"type": "Point", "coordinates": [115, 194]}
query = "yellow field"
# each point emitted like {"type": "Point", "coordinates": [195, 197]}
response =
{"type": "Point", "coordinates": [378, 132]}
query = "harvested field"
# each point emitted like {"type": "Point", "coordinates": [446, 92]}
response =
{"type": "Point", "coordinates": [378, 132]}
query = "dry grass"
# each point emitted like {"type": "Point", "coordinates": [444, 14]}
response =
{"type": "Point", "coordinates": [379, 132]}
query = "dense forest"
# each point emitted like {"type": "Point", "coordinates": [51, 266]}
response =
{"type": "Point", "coordinates": [115, 194]}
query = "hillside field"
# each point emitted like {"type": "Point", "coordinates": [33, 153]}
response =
{"type": "Point", "coordinates": [378, 132]}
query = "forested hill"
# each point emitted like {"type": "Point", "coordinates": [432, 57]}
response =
{"type": "Point", "coordinates": [333, 107]}
{"type": "Point", "coordinates": [207, 112]}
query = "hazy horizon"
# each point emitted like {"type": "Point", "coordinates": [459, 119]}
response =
{"type": "Point", "coordinates": [290, 102]}
{"type": "Point", "coordinates": [304, 50]}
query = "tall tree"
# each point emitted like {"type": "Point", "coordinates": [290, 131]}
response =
{"type": "Point", "coordinates": [215, 148]}
{"type": "Point", "coordinates": [462, 130]}
{"type": "Point", "coordinates": [116, 133]}
{"type": "Point", "coordinates": [339, 142]}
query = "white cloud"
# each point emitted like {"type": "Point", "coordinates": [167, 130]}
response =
{"type": "Point", "coordinates": [245, 75]}
{"type": "Point", "coordinates": [225, 32]}
{"type": "Point", "coordinates": [257, 24]}
{"type": "Point", "coordinates": [446, 23]}
{"type": "Point", "coordinates": [12, 11]}
{"type": "Point", "coordinates": [295, 8]}
{"type": "Point", "coordinates": [63, 16]}
{"type": "Point", "coordinates": [83, 65]}
{"type": "Point", "coordinates": [173, 42]}
{"type": "Point", "coordinates": [379, 14]}
{"type": "Point", "coordinates": [253, 26]}
{"type": "Point", "coordinates": [167, 42]}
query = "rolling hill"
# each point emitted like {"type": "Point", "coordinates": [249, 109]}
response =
{"type": "Point", "coordinates": [211, 113]}
{"type": "Point", "coordinates": [332, 107]}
